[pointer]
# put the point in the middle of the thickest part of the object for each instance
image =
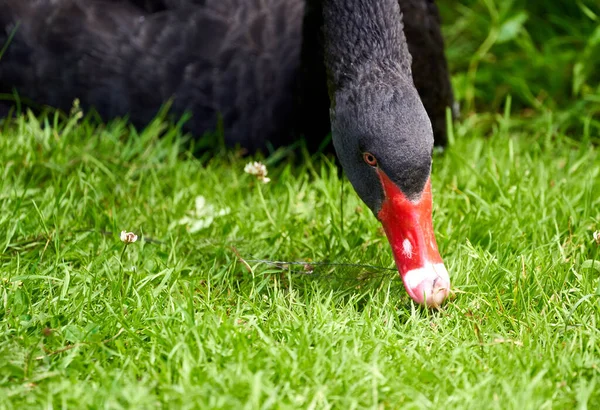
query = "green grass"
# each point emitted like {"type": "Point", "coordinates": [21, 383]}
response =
{"type": "Point", "coordinates": [177, 320]}
{"type": "Point", "coordinates": [544, 54]}
{"type": "Point", "coordinates": [184, 319]}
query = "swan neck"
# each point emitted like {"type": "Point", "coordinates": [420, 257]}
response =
{"type": "Point", "coordinates": [364, 42]}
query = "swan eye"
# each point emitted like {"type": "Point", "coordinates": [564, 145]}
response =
{"type": "Point", "coordinates": [370, 159]}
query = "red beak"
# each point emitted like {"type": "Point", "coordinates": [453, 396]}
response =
{"type": "Point", "coordinates": [409, 229]}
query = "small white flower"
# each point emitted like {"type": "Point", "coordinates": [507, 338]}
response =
{"type": "Point", "coordinates": [255, 168]}
{"type": "Point", "coordinates": [259, 170]}
{"type": "Point", "coordinates": [128, 237]}
{"type": "Point", "coordinates": [596, 236]}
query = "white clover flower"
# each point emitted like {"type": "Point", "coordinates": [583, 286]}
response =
{"type": "Point", "coordinates": [259, 170]}
{"type": "Point", "coordinates": [596, 236]}
{"type": "Point", "coordinates": [255, 168]}
{"type": "Point", "coordinates": [128, 237]}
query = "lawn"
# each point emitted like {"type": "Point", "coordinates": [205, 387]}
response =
{"type": "Point", "coordinates": [187, 317]}
{"type": "Point", "coordinates": [197, 314]}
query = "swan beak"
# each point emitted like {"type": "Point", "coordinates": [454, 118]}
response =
{"type": "Point", "coordinates": [409, 228]}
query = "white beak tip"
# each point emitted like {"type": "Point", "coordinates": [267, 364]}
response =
{"type": "Point", "coordinates": [429, 285]}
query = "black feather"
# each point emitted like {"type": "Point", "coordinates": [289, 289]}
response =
{"type": "Point", "coordinates": [258, 64]}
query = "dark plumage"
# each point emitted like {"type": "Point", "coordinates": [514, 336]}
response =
{"type": "Point", "coordinates": [430, 70]}
{"type": "Point", "coordinates": [256, 63]}
{"type": "Point", "coordinates": [238, 59]}
{"type": "Point", "coordinates": [375, 107]}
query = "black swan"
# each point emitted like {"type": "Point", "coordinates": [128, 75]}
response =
{"type": "Point", "coordinates": [124, 61]}
{"type": "Point", "coordinates": [255, 65]}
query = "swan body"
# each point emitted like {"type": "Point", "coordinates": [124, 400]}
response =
{"type": "Point", "coordinates": [253, 67]}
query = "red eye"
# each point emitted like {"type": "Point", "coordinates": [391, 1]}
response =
{"type": "Point", "coordinates": [370, 159]}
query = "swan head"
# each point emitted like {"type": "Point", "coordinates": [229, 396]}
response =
{"type": "Point", "coordinates": [384, 141]}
